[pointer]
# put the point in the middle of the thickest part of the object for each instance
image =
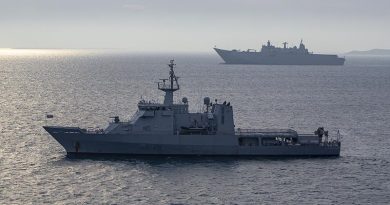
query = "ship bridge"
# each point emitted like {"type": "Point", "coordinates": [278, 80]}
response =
{"type": "Point", "coordinates": [271, 49]}
{"type": "Point", "coordinates": [150, 106]}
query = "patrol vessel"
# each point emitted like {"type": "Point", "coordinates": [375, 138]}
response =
{"type": "Point", "coordinates": [271, 55]}
{"type": "Point", "coordinates": [169, 128]}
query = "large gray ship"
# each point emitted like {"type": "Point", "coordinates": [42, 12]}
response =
{"type": "Point", "coordinates": [271, 55]}
{"type": "Point", "coordinates": [169, 128]}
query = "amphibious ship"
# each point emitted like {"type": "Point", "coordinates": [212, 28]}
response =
{"type": "Point", "coordinates": [168, 128]}
{"type": "Point", "coordinates": [271, 55]}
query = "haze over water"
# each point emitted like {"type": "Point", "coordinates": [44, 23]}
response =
{"type": "Point", "coordinates": [84, 88]}
{"type": "Point", "coordinates": [331, 26]}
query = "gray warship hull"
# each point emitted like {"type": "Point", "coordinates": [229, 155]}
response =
{"type": "Point", "coordinates": [169, 128]}
{"type": "Point", "coordinates": [258, 58]}
{"type": "Point", "coordinates": [76, 142]}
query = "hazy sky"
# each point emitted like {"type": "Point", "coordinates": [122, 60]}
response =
{"type": "Point", "coordinates": [198, 25]}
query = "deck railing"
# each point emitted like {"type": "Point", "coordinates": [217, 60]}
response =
{"type": "Point", "coordinates": [254, 131]}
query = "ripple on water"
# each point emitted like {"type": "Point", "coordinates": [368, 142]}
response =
{"type": "Point", "coordinates": [84, 89]}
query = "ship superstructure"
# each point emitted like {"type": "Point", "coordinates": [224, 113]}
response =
{"type": "Point", "coordinates": [272, 55]}
{"type": "Point", "coordinates": [170, 129]}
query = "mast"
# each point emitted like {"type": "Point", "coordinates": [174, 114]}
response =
{"type": "Point", "coordinates": [301, 45]}
{"type": "Point", "coordinates": [171, 87]}
{"type": "Point", "coordinates": [285, 44]}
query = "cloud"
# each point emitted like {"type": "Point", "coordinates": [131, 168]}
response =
{"type": "Point", "coordinates": [134, 7]}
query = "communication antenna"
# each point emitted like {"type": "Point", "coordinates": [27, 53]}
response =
{"type": "Point", "coordinates": [171, 86]}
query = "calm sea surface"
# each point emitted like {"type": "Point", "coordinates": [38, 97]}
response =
{"type": "Point", "coordinates": [84, 88]}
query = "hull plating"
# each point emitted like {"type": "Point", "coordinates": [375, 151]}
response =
{"type": "Point", "coordinates": [80, 143]}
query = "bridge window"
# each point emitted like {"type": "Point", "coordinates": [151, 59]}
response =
{"type": "Point", "coordinates": [248, 141]}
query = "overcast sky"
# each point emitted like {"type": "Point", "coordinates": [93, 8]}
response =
{"type": "Point", "coordinates": [198, 25]}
